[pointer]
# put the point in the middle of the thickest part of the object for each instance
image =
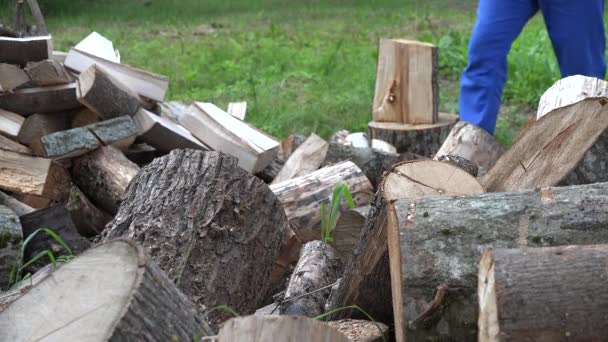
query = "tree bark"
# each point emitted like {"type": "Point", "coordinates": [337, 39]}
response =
{"type": "Point", "coordinates": [23, 50]}
{"type": "Point", "coordinates": [424, 140]}
{"type": "Point", "coordinates": [270, 328]}
{"type": "Point", "coordinates": [460, 162]}
{"type": "Point", "coordinates": [319, 267]}
{"type": "Point", "coordinates": [89, 220]}
{"type": "Point", "coordinates": [543, 294]}
{"type": "Point", "coordinates": [437, 242]}
{"type": "Point", "coordinates": [361, 331]}
{"type": "Point", "coordinates": [306, 159]}
{"type": "Point", "coordinates": [133, 301]}
{"type": "Point", "coordinates": [570, 90]}
{"type": "Point", "coordinates": [11, 240]}
{"type": "Point", "coordinates": [302, 197]}
{"type": "Point", "coordinates": [215, 229]}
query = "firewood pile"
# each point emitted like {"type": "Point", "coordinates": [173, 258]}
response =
{"type": "Point", "coordinates": [171, 218]}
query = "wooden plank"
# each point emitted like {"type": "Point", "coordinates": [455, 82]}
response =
{"type": "Point", "coordinates": [41, 99]}
{"type": "Point", "coordinates": [164, 134]}
{"type": "Point", "coordinates": [23, 50]}
{"type": "Point", "coordinates": [12, 77]}
{"type": "Point", "coordinates": [406, 82]}
{"type": "Point", "coordinates": [10, 123]}
{"type": "Point", "coordinates": [237, 109]}
{"type": "Point", "coordinates": [146, 84]}
{"type": "Point", "coordinates": [304, 160]}
{"type": "Point", "coordinates": [47, 73]}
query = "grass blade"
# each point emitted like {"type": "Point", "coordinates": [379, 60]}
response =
{"type": "Point", "coordinates": [59, 240]}
{"type": "Point", "coordinates": [39, 256]}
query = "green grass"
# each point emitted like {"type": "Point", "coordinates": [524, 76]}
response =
{"type": "Point", "coordinates": [302, 66]}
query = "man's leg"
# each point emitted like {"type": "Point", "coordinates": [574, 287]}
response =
{"type": "Point", "coordinates": [499, 22]}
{"type": "Point", "coordinates": [576, 29]}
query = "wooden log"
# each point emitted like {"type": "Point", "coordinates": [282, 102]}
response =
{"type": "Point", "coordinates": [237, 109]}
{"type": "Point", "coordinates": [543, 294]}
{"type": "Point", "coordinates": [366, 281]}
{"type": "Point", "coordinates": [89, 220]}
{"type": "Point", "coordinates": [472, 143]}
{"type": "Point", "coordinates": [59, 56]}
{"type": "Point", "coordinates": [10, 124]}
{"type": "Point", "coordinates": [570, 90]}
{"type": "Point", "coordinates": [103, 176]}
{"type": "Point", "coordinates": [36, 126]}
{"type": "Point", "coordinates": [144, 83]}
{"type": "Point", "coordinates": [27, 174]}
{"type": "Point", "coordinates": [306, 159]}
{"type": "Point", "coordinates": [565, 147]}
{"type": "Point", "coordinates": [13, 204]}
{"type": "Point", "coordinates": [141, 154]}
{"type": "Point", "coordinates": [99, 46]}
{"type": "Point", "coordinates": [69, 144]}
{"type": "Point", "coordinates": [119, 132]}
{"type": "Point", "coordinates": [361, 331]}
{"type": "Point", "coordinates": [23, 50]}
{"type": "Point", "coordinates": [348, 229]}
{"type": "Point", "coordinates": [167, 210]}
{"type": "Point", "coordinates": [424, 139]}
{"type": "Point", "coordinates": [171, 110]}
{"type": "Point", "coordinates": [18, 290]}
{"type": "Point", "coordinates": [269, 328]}
{"type": "Point", "coordinates": [462, 163]}
{"type": "Point", "coordinates": [8, 144]}
{"type": "Point", "coordinates": [139, 302]}
{"type": "Point", "coordinates": [271, 171]}
{"type": "Point", "coordinates": [290, 144]}
{"type": "Point", "coordinates": [11, 241]}
{"type": "Point", "coordinates": [50, 99]}
{"type": "Point", "coordinates": [302, 197]}
{"type": "Point", "coordinates": [164, 134]}
{"type": "Point", "coordinates": [47, 73]}
{"type": "Point", "coordinates": [436, 243]}
{"type": "Point", "coordinates": [224, 133]}
{"type": "Point", "coordinates": [105, 95]}
{"type": "Point", "coordinates": [310, 284]}
{"type": "Point", "coordinates": [12, 77]}
{"type": "Point", "coordinates": [84, 117]}
{"type": "Point", "coordinates": [284, 264]}
{"type": "Point", "coordinates": [407, 89]}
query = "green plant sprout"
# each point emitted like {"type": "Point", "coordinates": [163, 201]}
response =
{"type": "Point", "coordinates": [328, 225]}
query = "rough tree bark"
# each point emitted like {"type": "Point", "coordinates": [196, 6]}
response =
{"type": "Point", "coordinates": [11, 239]}
{"type": "Point", "coordinates": [570, 90]}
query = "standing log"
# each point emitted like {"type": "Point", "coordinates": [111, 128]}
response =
{"type": "Point", "coordinates": [103, 175]}
{"type": "Point", "coordinates": [568, 146]}
{"type": "Point", "coordinates": [285, 328]}
{"type": "Point", "coordinates": [11, 241]}
{"type": "Point", "coordinates": [23, 50]}
{"type": "Point", "coordinates": [366, 281]}
{"type": "Point", "coordinates": [319, 267]}
{"type": "Point", "coordinates": [302, 197]}
{"type": "Point", "coordinates": [18, 290]}
{"type": "Point", "coordinates": [197, 240]}
{"type": "Point", "coordinates": [11, 77]}
{"type": "Point", "coordinates": [84, 117]}
{"type": "Point", "coordinates": [306, 159]}
{"type": "Point", "coordinates": [137, 300]}
{"type": "Point", "coordinates": [472, 143]}
{"type": "Point", "coordinates": [543, 294]}
{"type": "Point", "coordinates": [10, 123]}
{"type": "Point", "coordinates": [361, 331]}
{"type": "Point", "coordinates": [348, 229]}
{"type": "Point", "coordinates": [48, 73]}
{"type": "Point", "coordinates": [424, 139]}
{"type": "Point", "coordinates": [570, 90]}
{"type": "Point", "coordinates": [89, 220]}
{"type": "Point", "coordinates": [50, 99]}
{"type": "Point", "coordinates": [171, 110]}
{"type": "Point", "coordinates": [436, 243]}
{"type": "Point", "coordinates": [163, 134]}
{"type": "Point", "coordinates": [407, 89]}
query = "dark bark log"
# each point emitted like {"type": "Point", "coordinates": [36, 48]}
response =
{"type": "Point", "coordinates": [215, 229]}
{"type": "Point", "coordinates": [271, 328]}
{"type": "Point", "coordinates": [23, 50]}
{"type": "Point", "coordinates": [11, 240]}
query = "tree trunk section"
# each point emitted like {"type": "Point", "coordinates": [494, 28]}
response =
{"type": "Point", "coordinates": [425, 139]}
{"type": "Point", "coordinates": [304, 160]}
{"type": "Point", "coordinates": [285, 328]}
{"type": "Point", "coordinates": [133, 301]}
{"type": "Point", "coordinates": [215, 229]}
{"type": "Point", "coordinates": [543, 294]}
{"type": "Point", "coordinates": [11, 240]}
{"type": "Point", "coordinates": [319, 267]}
{"type": "Point", "coordinates": [438, 243]}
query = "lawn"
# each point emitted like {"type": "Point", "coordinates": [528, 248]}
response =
{"type": "Point", "coordinates": [302, 66]}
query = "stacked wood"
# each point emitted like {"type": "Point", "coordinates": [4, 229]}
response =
{"type": "Point", "coordinates": [348, 229]}
{"type": "Point", "coordinates": [49, 99]}
{"type": "Point", "coordinates": [36, 126]}
{"type": "Point", "coordinates": [237, 109]}
{"type": "Point", "coordinates": [139, 302]}
{"type": "Point", "coordinates": [570, 90]}
{"type": "Point", "coordinates": [11, 240]}
{"type": "Point", "coordinates": [361, 331]}
{"type": "Point", "coordinates": [87, 218]}
{"type": "Point", "coordinates": [47, 73]}
{"type": "Point", "coordinates": [12, 77]}
{"type": "Point", "coordinates": [407, 90]}
{"type": "Point", "coordinates": [23, 50]}
{"type": "Point", "coordinates": [371, 161]}
{"type": "Point", "coordinates": [171, 110]}
{"type": "Point", "coordinates": [306, 159]}
{"type": "Point", "coordinates": [302, 197]}
{"type": "Point", "coordinates": [437, 242]}
{"type": "Point", "coordinates": [269, 328]}
{"type": "Point", "coordinates": [318, 268]}
{"type": "Point", "coordinates": [218, 251]}
{"type": "Point", "coordinates": [8, 144]}
{"type": "Point", "coordinates": [10, 123]}
{"type": "Point", "coordinates": [366, 280]}
{"type": "Point", "coordinates": [551, 293]}
{"type": "Point", "coordinates": [84, 117]}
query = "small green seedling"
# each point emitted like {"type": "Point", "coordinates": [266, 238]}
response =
{"type": "Point", "coordinates": [329, 224]}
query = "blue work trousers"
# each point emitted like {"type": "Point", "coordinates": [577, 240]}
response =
{"type": "Point", "coordinates": [576, 29]}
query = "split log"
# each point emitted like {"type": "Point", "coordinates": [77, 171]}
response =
{"type": "Point", "coordinates": [543, 294]}
{"type": "Point", "coordinates": [269, 328]}
{"type": "Point", "coordinates": [348, 229]}
{"type": "Point", "coordinates": [41, 100]}
{"type": "Point", "coordinates": [290, 144]}
{"type": "Point", "coordinates": [317, 270]}
{"type": "Point", "coordinates": [59, 56]}
{"type": "Point", "coordinates": [424, 139]}
{"type": "Point", "coordinates": [38, 18]}
{"type": "Point", "coordinates": [11, 241]}
{"type": "Point", "coordinates": [566, 146]}
{"type": "Point", "coordinates": [10, 123]}
{"type": "Point", "coordinates": [171, 110]}
{"type": "Point", "coordinates": [237, 109]}
{"type": "Point", "coordinates": [141, 154]}
{"type": "Point", "coordinates": [36, 126]}
{"type": "Point", "coordinates": [302, 197]}
{"type": "Point", "coordinates": [570, 90]}
{"type": "Point", "coordinates": [89, 220]}
{"type": "Point", "coordinates": [472, 143]}
{"type": "Point", "coordinates": [12, 77]}
{"type": "Point", "coordinates": [27, 174]}
{"type": "Point", "coordinates": [119, 132]}
{"type": "Point", "coordinates": [103, 176]}
{"type": "Point", "coordinates": [462, 163]}
{"type": "Point", "coordinates": [435, 245]}
{"type": "Point", "coordinates": [144, 83]}
{"type": "Point", "coordinates": [23, 50]}
{"type": "Point", "coordinates": [361, 331]}
{"type": "Point", "coordinates": [407, 89]}
{"type": "Point", "coordinates": [8, 144]}
{"type": "Point", "coordinates": [224, 133]}
{"type": "Point", "coordinates": [139, 302]}
{"type": "Point", "coordinates": [366, 281]}
{"type": "Point", "coordinates": [84, 117]}
{"type": "Point", "coordinates": [164, 134]}
{"type": "Point", "coordinates": [105, 95]}
{"type": "Point", "coordinates": [47, 73]}
{"type": "Point", "coordinates": [306, 159]}
{"type": "Point", "coordinates": [12, 203]}
{"type": "Point", "coordinates": [196, 240]}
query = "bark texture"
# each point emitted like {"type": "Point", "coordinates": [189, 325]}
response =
{"type": "Point", "coordinates": [215, 229]}
{"type": "Point", "coordinates": [361, 331]}
{"type": "Point", "coordinates": [11, 240]}
{"type": "Point", "coordinates": [89, 220]}
{"type": "Point", "coordinates": [570, 90]}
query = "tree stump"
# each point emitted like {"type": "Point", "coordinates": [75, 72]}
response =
{"type": "Point", "coordinates": [543, 294]}
{"type": "Point", "coordinates": [215, 229]}
{"type": "Point", "coordinates": [111, 292]}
